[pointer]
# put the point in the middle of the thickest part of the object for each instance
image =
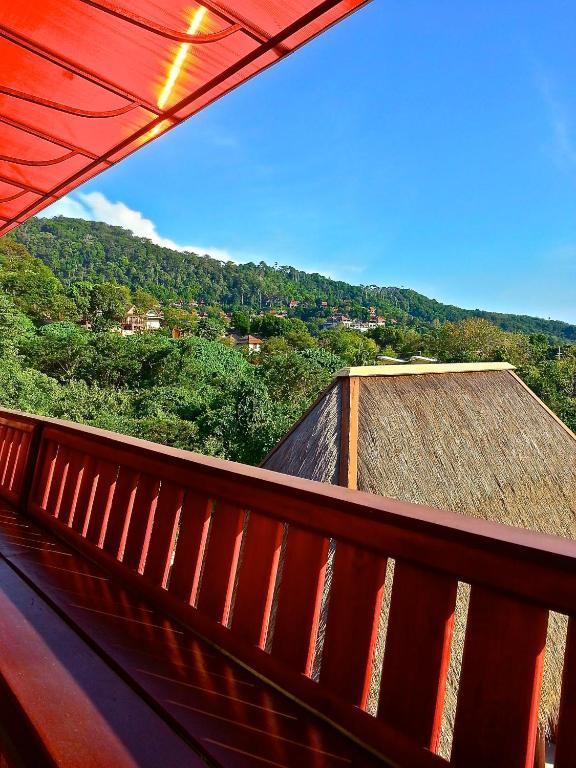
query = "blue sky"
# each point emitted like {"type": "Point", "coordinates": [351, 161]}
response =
{"type": "Point", "coordinates": [430, 145]}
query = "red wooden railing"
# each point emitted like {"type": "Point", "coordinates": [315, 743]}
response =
{"type": "Point", "coordinates": [240, 554]}
{"type": "Point", "coordinates": [17, 434]}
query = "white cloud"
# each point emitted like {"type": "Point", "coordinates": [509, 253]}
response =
{"type": "Point", "coordinates": [66, 206]}
{"type": "Point", "coordinates": [94, 206]}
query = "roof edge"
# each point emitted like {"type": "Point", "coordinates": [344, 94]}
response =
{"type": "Point", "coordinates": [543, 405]}
{"type": "Point", "coordinates": [411, 370]}
{"type": "Point", "coordinates": [297, 423]}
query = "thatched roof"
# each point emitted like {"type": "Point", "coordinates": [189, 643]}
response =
{"type": "Point", "coordinates": [471, 438]}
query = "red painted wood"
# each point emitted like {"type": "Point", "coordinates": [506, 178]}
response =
{"type": "Point", "coordinates": [221, 700]}
{"type": "Point", "coordinates": [79, 712]}
{"type": "Point", "coordinates": [221, 560]}
{"type": "Point", "coordinates": [417, 652]}
{"type": "Point", "coordinates": [58, 481]}
{"type": "Point", "coordinates": [21, 464]}
{"type": "Point", "coordinates": [3, 430]}
{"type": "Point", "coordinates": [71, 488]}
{"type": "Point", "coordinates": [120, 512]}
{"type": "Point", "coordinates": [5, 453]}
{"type": "Point", "coordinates": [12, 459]}
{"type": "Point", "coordinates": [141, 520]}
{"type": "Point", "coordinates": [516, 562]}
{"type": "Point", "coordinates": [566, 738]}
{"type": "Point", "coordinates": [299, 599]}
{"type": "Point", "coordinates": [353, 614]}
{"type": "Point", "coordinates": [399, 749]}
{"type": "Point", "coordinates": [7, 430]}
{"type": "Point", "coordinates": [497, 711]}
{"type": "Point", "coordinates": [86, 494]}
{"type": "Point", "coordinates": [189, 553]}
{"type": "Point", "coordinates": [475, 550]}
{"type": "Point", "coordinates": [258, 571]}
{"type": "Point", "coordinates": [97, 516]}
{"type": "Point", "coordinates": [163, 534]}
{"type": "Point", "coordinates": [44, 474]}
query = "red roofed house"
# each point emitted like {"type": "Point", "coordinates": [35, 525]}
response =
{"type": "Point", "coordinates": [253, 343]}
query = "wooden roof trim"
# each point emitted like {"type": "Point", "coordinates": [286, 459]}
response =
{"type": "Point", "coordinates": [348, 456]}
{"type": "Point", "coordinates": [544, 406]}
{"type": "Point", "coordinates": [411, 370]}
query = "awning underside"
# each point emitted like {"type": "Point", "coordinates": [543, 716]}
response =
{"type": "Point", "coordinates": [83, 83]}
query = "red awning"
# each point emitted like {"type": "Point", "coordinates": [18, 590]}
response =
{"type": "Point", "coordinates": [83, 83]}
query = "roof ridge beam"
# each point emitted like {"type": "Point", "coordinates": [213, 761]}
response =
{"type": "Point", "coordinates": [411, 370]}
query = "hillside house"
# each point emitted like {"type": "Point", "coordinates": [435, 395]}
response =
{"type": "Point", "coordinates": [253, 343]}
{"type": "Point", "coordinates": [352, 324]}
{"type": "Point", "coordinates": [135, 322]}
{"type": "Point", "coordinates": [378, 320]}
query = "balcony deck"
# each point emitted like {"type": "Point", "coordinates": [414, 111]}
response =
{"type": "Point", "coordinates": [162, 608]}
{"type": "Point", "coordinates": [185, 698]}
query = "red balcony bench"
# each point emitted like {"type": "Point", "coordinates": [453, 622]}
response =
{"type": "Point", "coordinates": [197, 585]}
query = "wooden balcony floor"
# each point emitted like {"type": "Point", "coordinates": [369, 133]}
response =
{"type": "Point", "coordinates": [227, 715]}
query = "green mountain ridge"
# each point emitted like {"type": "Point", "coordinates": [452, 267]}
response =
{"type": "Point", "coordinates": [79, 250]}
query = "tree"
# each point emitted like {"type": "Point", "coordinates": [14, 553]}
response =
{"type": "Point", "coordinates": [400, 341]}
{"type": "Point", "coordinates": [241, 322]}
{"type": "Point", "coordinates": [198, 392]}
{"type": "Point", "coordinates": [95, 252]}
{"type": "Point", "coordinates": [352, 346]}
{"type": "Point", "coordinates": [477, 339]}
{"type": "Point", "coordinates": [294, 378]}
{"type": "Point", "coordinates": [210, 328]}
{"type": "Point", "coordinates": [58, 350]}
{"type": "Point", "coordinates": [182, 319]}
{"type": "Point", "coordinates": [110, 361]}
{"type": "Point", "coordinates": [300, 339]}
{"type": "Point", "coordinates": [15, 327]}
{"type": "Point", "coordinates": [33, 287]}
{"type": "Point", "coordinates": [109, 303]}
{"type": "Point", "coordinates": [80, 293]}
{"type": "Point", "coordinates": [144, 301]}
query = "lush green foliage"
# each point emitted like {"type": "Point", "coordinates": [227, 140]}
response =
{"type": "Point", "coordinates": [60, 354]}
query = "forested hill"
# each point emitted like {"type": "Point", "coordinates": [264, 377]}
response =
{"type": "Point", "coordinates": [78, 250]}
